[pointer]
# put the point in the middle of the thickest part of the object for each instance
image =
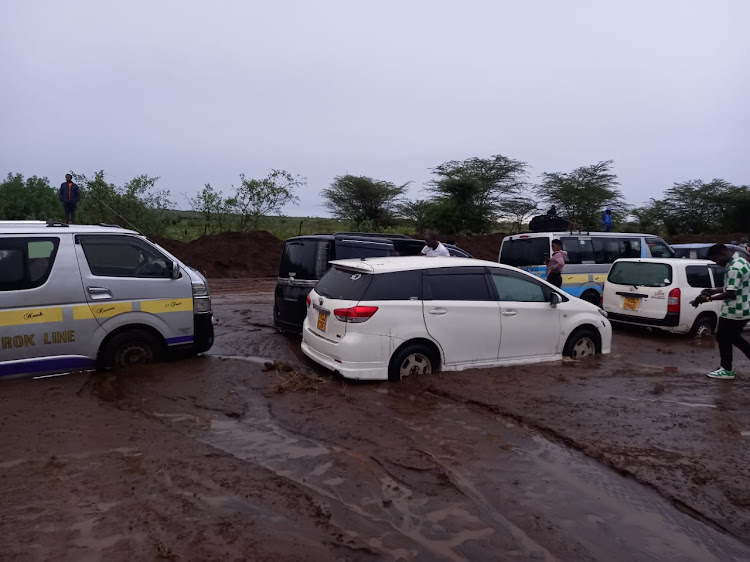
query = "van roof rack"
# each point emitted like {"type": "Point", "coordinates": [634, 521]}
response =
{"type": "Point", "coordinates": [56, 224]}
{"type": "Point", "coordinates": [375, 235]}
{"type": "Point", "coordinates": [109, 225]}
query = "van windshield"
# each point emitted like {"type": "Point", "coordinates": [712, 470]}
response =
{"type": "Point", "coordinates": [525, 251]}
{"type": "Point", "coordinates": [641, 274]}
{"type": "Point", "coordinates": [343, 284]}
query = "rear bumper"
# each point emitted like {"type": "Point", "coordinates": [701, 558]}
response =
{"type": "Point", "coordinates": [671, 320]}
{"type": "Point", "coordinates": [346, 358]}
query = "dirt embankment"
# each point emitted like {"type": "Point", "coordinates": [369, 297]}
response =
{"type": "Point", "coordinates": [230, 254]}
{"type": "Point", "coordinates": [484, 247]}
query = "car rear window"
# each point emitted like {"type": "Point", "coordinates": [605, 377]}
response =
{"type": "Point", "coordinates": [641, 274]}
{"type": "Point", "coordinates": [304, 259]}
{"type": "Point", "coordinates": [697, 276]}
{"type": "Point", "coordinates": [524, 251]}
{"type": "Point", "coordinates": [343, 284]}
{"type": "Point", "coordinates": [399, 285]}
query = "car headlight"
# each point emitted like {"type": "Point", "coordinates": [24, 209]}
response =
{"type": "Point", "coordinates": [201, 305]}
{"type": "Point", "coordinates": [603, 312]}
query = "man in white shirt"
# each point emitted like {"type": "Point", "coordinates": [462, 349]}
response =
{"type": "Point", "coordinates": [434, 247]}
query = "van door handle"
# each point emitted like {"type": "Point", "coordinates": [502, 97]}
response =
{"type": "Point", "coordinates": [438, 311]}
{"type": "Point", "coordinates": [99, 293]}
{"type": "Point", "coordinates": [509, 312]}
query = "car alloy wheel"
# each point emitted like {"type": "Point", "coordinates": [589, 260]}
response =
{"type": "Point", "coordinates": [415, 364]}
{"type": "Point", "coordinates": [584, 347]}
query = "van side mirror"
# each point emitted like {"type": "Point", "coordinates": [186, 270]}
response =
{"type": "Point", "coordinates": [554, 300]}
{"type": "Point", "coordinates": [175, 270]}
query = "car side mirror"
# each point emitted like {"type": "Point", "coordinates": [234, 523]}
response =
{"type": "Point", "coordinates": [175, 270]}
{"type": "Point", "coordinates": [554, 300]}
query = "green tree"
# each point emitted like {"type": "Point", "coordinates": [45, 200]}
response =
{"type": "Point", "coordinates": [518, 209]}
{"type": "Point", "coordinates": [364, 201]}
{"type": "Point", "coordinates": [29, 199]}
{"type": "Point", "coordinates": [209, 204]}
{"type": "Point", "coordinates": [469, 194]}
{"type": "Point", "coordinates": [581, 195]}
{"type": "Point", "coordinates": [650, 218]}
{"type": "Point", "coordinates": [253, 199]}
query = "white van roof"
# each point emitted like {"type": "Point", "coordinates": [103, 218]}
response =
{"type": "Point", "coordinates": [568, 233]}
{"type": "Point", "coordinates": [43, 227]}
{"type": "Point", "coordinates": [668, 261]}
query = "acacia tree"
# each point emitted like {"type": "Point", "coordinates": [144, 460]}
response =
{"type": "Point", "coordinates": [518, 209]}
{"type": "Point", "coordinates": [469, 194]}
{"type": "Point", "coordinates": [365, 201]}
{"type": "Point", "coordinates": [253, 199]}
{"type": "Point", "coordinates": [581, 195]}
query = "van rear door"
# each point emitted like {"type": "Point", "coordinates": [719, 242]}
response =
{"type": "Point", "coordinates": [641, 289]}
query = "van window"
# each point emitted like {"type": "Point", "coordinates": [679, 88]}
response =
{"type": "Point", "coordinates": [399, 285]}
{"type": "Point", "coordinates": [718, 272]}
{"type": "Point", "coordinates": [123, 256]}
{"type": "Point", "coordinates": [343, 284]}
{"type": "Point", "coordinates": [518, 289]}
{"type": "Point", "coordinates": [455, 285]}
{"type": "Point", "coordinates": [641, 274]}
{"type": "Point", "coordinates": [697, 276]}
{"type": "Point", "coordinates": [579, 250]}
{"type": "Point", "coordinates": [301, 259]}
{"type": "Point", "coordinates": [608, 249]}
{"type": "Point", "coordinates": [25, 263]}
{"type": "Point", "coordinates": [659, 248]}
{"type": "Point", "coordinates": [525, 251]}
{"type": "Point", "coordinates": [353, 250]}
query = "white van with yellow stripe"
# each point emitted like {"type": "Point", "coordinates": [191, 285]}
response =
{"type": "Point", "coordinates": [79, 297]}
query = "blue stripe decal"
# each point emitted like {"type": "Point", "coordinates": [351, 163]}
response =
{"type": "Point", "coordinates": [181, 339]}
{"type": "Point", "coordinates": [46, 365]}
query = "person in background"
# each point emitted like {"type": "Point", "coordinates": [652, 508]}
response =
{"type": "Point", "coordinates": [735, 311]}
{"type": "Point", "coordinates": [607, 220]}
{"type": "Point", "coordinates": [552, 211]}
{"type": "Point", "coordinates": [555, 264]}
{"type": "Point", "coordinates": [69, 194]}
{"type": "Point", "coordinates": [434, 247]}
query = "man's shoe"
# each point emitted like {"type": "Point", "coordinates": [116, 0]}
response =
{"type": "Point", "coordinates": [721, 373]}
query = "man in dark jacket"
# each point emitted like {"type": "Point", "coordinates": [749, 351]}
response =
{"type": "Point", "coordinates": [69, 196]}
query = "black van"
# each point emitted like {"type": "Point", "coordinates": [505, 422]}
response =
{"type": "Point", "coordinates": [305, 260]}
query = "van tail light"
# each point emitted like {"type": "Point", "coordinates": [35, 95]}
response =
{"type": "Point", "coordinates": [355, 314]}
{"type": "Point", "coordinates": [673, 301]}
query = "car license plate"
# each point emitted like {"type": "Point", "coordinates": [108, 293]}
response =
{"type": "Point", "coordinates": [631, 303]}
{"type": "Point", "coordinates": [322, 321]}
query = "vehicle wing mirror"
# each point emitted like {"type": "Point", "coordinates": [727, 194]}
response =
{"type": "Point", "coordinates": [554, 300]}
{"type": "Point", "coordinates": [175, 270]}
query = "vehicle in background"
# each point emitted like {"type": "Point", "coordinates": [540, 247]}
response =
{"type": "Point", "coordinates": [700, 251]}
{"type": "Point", "coordinates": [658, 292]}
{"type": "Point", "coordinates": [388, 318]}
{"type": "Point", "coordinates": [590, 256]}
{"type": "Point", "coordinates": [305, 259]}
{"type": "Point", "coordinates": [77, 297]}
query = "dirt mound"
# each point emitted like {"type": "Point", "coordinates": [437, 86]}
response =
{"type": "Point", "coordinates": [230, 254]}
{"type": "Point", "coordinates": [485, 247]}
{"type": "Point", "coordinates": [706, 238]}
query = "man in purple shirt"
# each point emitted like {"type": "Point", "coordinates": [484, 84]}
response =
{"type": "Point", "coordinates": [555, 264]}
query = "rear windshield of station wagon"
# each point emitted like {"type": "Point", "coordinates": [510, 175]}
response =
{"type": "Point", "coordinates": [347, 284]}
{"type": "Point", "coordinates": [641, 274]}
{"type": "Point", "coordinates": [343, 284]}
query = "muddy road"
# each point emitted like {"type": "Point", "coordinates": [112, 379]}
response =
{"type": "Point", "coordinates": [634, 456]}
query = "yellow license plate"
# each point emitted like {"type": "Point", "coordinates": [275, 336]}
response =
{"type": "Point", "coordinates": [631, 303]}
{"type": "Point", "coordinates": [322, 321]}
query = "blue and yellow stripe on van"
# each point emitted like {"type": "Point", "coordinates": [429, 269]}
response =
{"type": "Point", "coordinates": [575, 283]}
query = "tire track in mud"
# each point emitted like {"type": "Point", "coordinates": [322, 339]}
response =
{"type": "Point", "coordinates": [717, 547]}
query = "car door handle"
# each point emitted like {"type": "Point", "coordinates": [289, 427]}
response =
{"type": "Point", "coordinates": [99, 293]}
{"type": "Point", "coordinates": [509, 312]}
{"type": "Point", "coordinates": [438, 311]}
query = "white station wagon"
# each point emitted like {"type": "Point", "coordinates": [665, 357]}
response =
{"type": "Point", "coordinates": [390, 317]}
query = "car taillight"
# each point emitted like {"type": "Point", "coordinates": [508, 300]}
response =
{"type": "Point", "coordinates": [308, 300]}
{"type": "Point", "coordinates": [673, 301]}
{"type": "Point", "coordinates": [355, 314]}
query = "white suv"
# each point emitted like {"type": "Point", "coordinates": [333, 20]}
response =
{"type": "Point", "coordinates": [658, 292]}
{"type": "Point", "coordinates": [386, 318]}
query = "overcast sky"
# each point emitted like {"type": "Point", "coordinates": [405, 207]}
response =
{"type": "Point", "coordinates": [198, 91]}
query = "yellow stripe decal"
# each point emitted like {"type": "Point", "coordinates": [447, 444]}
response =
{"type": "Point", "coordinates": [101, 310]}
{"type": "Point", "coordinates": [167, 305]}
{"type": "Point", "coordinates": [600, 277]}
{"type": "Point", "coordinates": [580, 278]}
{"type": "Point", "coordinates": [82, 312]}
{"type": "Point", "coordinates": [31, 316]}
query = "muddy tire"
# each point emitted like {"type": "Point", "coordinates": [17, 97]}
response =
{"type": "Point", "coordinates": [584, 342]}
{"type": "Point", "coordinates": [593, 297]}
{"type": "Point", "coordinates": [704, 326]}
{"type": "Point", "coordinates": [132, 347]}
{"type": "Point", "coordinates": [411, 360]}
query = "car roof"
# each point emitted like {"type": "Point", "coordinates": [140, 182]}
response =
{"type": "Point", "coordinates": [693, 246]}
{"type": "Point", "coordinates": [668, 261]}
{"type": "Point", "coordinates": [409, 263]}
{"type": "Point", "coordinates": [42, 227]}
{"type": "Point", "coordinates": [561, 233]}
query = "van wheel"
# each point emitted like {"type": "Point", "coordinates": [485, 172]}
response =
{"type": "Point", "coordinates": [132, 347]}
{"type": "Point", "coordinates": [593, 297]}
{"type": "Point", "coordinates": [581, 343]}
{"type": "Point", "coordinates": [411, 360]}
{"type": "Point", "coordinates": [704, 326]}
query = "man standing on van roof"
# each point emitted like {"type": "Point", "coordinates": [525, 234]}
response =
{"type": "Point", "coordinates": [607, 220]}
{"type": "Point", "coordinates": [434, 247]}
{"type": "Point", "coordinates": [69, 197]}
{"type": "Point", "coordinates": [735, 312]}
{"type": "Point", "coordinates": [555, 264]}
